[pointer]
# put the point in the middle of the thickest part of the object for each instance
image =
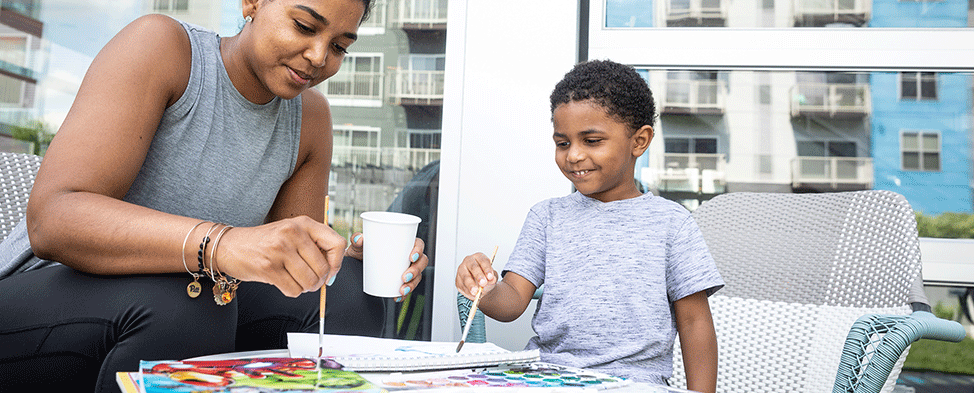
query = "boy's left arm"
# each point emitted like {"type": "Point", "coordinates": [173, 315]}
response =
{"type": "Point", "coordinates": [698, 341]}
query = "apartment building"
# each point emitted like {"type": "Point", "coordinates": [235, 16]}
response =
{"type": "Point", "coordinates": [22, 65]}
{"type": "Point", "coordinates": [808, 130]}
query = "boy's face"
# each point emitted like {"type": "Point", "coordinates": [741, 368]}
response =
{"type": "Point", "coordinates": [595, 151]}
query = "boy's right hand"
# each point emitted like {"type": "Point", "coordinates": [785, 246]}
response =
{"type": "Point", "coordinates": [475, 272]}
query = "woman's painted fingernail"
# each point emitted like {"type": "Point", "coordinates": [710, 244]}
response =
{"type": "Point", "coordinates": [405, 291]}
{"type": "Point", "coordinates": [332, 281]}
{"type": "Point", "coordinates": [398, 299]}
{"type": "Point", "coordinates": [409, 277]}
{"type": "Point", "coordinates": [355, 240]}
{"type": "Point", "coordinates": [415, 256]}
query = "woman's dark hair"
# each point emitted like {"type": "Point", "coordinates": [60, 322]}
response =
{"type": "Point", "coordinates": [617, 88]}
{"type": "Point", "coordinates": [368, 10]}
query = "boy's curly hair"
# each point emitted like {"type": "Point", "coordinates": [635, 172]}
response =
{"type": "Point", "coordinates": [617, 88]}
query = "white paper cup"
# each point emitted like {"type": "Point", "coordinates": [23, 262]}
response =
{"type": "Point", "coordinates": [388, 239]}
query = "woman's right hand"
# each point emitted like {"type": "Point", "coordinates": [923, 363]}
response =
{"type": "Point", "coordinates": [475, 272]}
{"type": "Point", "coordinates": [296, 255]}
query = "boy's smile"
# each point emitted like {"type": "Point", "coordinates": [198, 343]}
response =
{"type": "Point", "coordinates": [597, 152]}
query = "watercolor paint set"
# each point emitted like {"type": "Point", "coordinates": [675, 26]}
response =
{"type": "Point", "coordinates": [536, 374]}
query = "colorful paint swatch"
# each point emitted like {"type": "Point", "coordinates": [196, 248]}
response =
{"type": "Point", "coordinates": [527, 375]}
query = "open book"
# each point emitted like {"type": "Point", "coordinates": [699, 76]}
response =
{"type": "Point", "coordinates": [369, 354]}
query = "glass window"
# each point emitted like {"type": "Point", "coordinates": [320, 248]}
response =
{"type": "Point", "coordinates": [10, 91]}
{"type": "Point", "coordinates": [677, 145]}
{"type": "Point", "coordinates": [801, 131]}
{"type": "Point", "coordinates": [167, 6]}
{"type": "Point", "coordinates": [421, 139]}
{"type": "Point", "coordinates": [628, 13]}
{"type": "Point", "coordinates": [801, 13]}
{"type": "Point", "coordinates": [13, 50]}
{"type": "Point", "coordinates": [921, 151]}
{"type": "Point", "coordinates": [695, 13]}
{"type": "Point", "coordinates": [692, 92]}
{"type": "Point", "coordinates": [360, 77]}
{"type": "Point", "coordinates": [386, 100]}
{"type": "Point", "coordinates": [419, 79]}
{"type": "Point", "coordinates": [691, 145]}
{"type": "Point", "coordinates": [826, 149]}
{"type": "Point", "coordinates": [918, 86]}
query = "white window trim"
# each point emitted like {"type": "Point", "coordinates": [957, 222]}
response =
{"type": "Point", "coordinates": [833, 49]}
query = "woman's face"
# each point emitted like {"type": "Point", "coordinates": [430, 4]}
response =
{"type": "Point", "coordinates": [297, 44]}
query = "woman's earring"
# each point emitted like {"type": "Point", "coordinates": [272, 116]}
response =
{"type": "Point", "coordinates": [248, 18]}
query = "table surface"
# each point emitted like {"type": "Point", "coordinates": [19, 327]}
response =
{"type": "Point", "coordinates": [632, 388]}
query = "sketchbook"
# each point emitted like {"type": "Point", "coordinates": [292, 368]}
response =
{"type": "Point", "coordinates": [256, 374]}
{"type": "Point", "coordinates": [370, 354]}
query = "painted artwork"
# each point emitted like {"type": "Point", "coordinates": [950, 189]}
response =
{"type": "Point", "coordinates": [270, 375]}
{"type": "Point", "coordinates": [535, 374]}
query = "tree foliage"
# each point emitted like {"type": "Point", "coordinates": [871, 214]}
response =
{"type": "Point", "coordinates": [36, 133]}
{"type": "Point", "coordinates": [946, 225]}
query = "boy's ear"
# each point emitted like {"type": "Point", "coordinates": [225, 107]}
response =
{"type": "Point", "coordinates": [641, 139]}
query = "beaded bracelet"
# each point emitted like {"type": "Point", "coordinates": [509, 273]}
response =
{"type": "Point", "coordinates": [194, 288]}
{"type": "Point", "coordinates": [202, 251]}
{"type": "Point", "coordinates": [224, 289]}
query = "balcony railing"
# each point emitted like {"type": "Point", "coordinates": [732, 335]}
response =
{"type": "Point", "coordinates": [832, 99]}
{"type": "Point", "coordinates": [708, 13]}
{"type": "Point", "coordinates": [694, 97]}
{"type": "Point", "coordinates": [384, 157]}
{"type": "Point", "coordinates": [416, 87]}
{"type": "Point", "coordinates": [838, 173]}
{"type": "Point", "coordinates": [16, 116]}
{"type": "Point", "coordinates": [355, 85]}
{"type": "Point", "coordinates": [823, 12]}
{"type": "Point", "coordinates": [418, 13]}
{"type": "Point", "coordinates": [689, 172]}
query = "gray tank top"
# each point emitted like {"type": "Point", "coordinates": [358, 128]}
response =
{"type": "Point", "coordinates": [215, 156]}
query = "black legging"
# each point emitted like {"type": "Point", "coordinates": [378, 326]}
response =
{"type": "Point", "coordinates": [63, 330]}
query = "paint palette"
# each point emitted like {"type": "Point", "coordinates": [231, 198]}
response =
{"type": "Point", "coordinates": [527, 375]}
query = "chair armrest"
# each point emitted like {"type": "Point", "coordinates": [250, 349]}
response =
{"type": "Point", "coordinates": [875, 343]}
{"type": "Point", "coordinates": [939, 329]}
{"type": "Point", "coordinates": [478, 328]}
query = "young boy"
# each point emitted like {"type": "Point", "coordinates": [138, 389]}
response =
{"type": "Point", "coordinates": [623, 271]}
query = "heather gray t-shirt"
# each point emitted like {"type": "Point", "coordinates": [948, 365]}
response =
{"type": "Point", "coordinates": [216, 156]}
{"type": "Point", "coordinates": [611, 272]}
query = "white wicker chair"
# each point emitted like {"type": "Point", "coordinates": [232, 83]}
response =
{"type": "Point", "coordinates": [800, 269]}
{"type": "Point", "coordinates": [17, 173]}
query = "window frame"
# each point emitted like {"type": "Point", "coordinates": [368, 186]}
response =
{"type": "Point", "coordinates": [795, 49]}
{"type": "Point", "coordinates": [691, 142]}
{"type": "Point", "coordinates": [918, 80]}
{"type": "Point", "coordinates": [170, 6]}
{"type": "Point", "coordinates": [921, 151]}
{"type": "Point", "coordinates": [348, 69]}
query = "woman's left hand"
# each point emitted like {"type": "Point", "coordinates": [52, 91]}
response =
{"type": "Point", "coordinates": [413, 274]}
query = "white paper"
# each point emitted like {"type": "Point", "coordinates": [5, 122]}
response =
{"type": "Point", "coordinates": [303, 345]}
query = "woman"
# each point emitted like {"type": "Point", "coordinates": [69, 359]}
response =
{"type": "Point", "coordinates": [187, 159]}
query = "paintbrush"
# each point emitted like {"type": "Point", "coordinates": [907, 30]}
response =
{"type": "Point", "coordinates": [473, 308]}
{"type": "Point", "coordinates": [321, 308]}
